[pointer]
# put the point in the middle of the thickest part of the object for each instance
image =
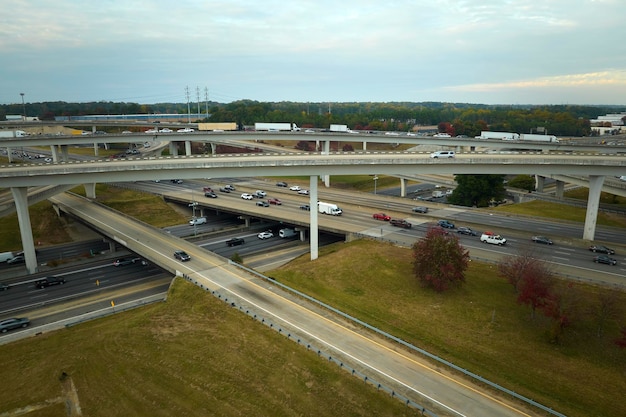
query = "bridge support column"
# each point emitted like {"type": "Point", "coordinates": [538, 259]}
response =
{"type": "Point", "coordinates": [65, 155]}
{"type": "Point", "coordinates": [560, 188]}
{"type": "Point", "coordinates": [96, 149]}
{"type": "Point", "coordinates": [188, 148]}
{"type": "Point", "coordinates": [593, 203]}
{"type": "Point", "coordinates": [213, 148]}
{"type": "Point", "coordinates": [313, 215]}
{"type": "Point", "coordinates": [364, 145]}
{"type": "Point", "coordinates": [10, 154]}
{"type": "Point", "coordinates": [55, 153]}
{"type": "Point", "coordinates": [173, 149]}
{"type": "Point", "coordinates": [20, 195]}
{"type": "Point", "coordinates": [402, 187]}
{"type": "Point", "coordinates": [539, 182]}
{"type": "Point", "coordinates": [326, 177]}
{"type": "Point", "coordinates": [90, 190]}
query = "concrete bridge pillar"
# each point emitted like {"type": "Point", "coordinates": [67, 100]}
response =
{"type": "Point", "coordinates": [213, 148]}
{"type": "Point", "coordinates": [560, 188]}
{"type": "Point", "coordinates": [55, 153]}
{"type": "Point", "coordinates": [188, 148]}
{"type": "Point", "coordinates": [314, 229]}
{"type": "Point", "coordinates": [402, 187]}
{"type": "Point", "coordinates": [65, 154]}
{"type": "Point", "coordinates": [364, 145]}
{"type": "Point", "coordinates": [593, 203]}
{"type": "Point", "coordinates": [90, 190]}
{"type": "Point", "coordinates": [173, 149]}
{"type": "Point", "coordinates": [326, 151]}
{"type": "Point", "coordinates": [20, 196]}
{"type": "Point", "coordinates": [96, 149]}
{"type": "Point", "coordinates": [539, 182]}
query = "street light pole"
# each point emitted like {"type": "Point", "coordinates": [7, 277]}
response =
{"type": "Point", "coordinates": [375, 180]}
{"type": "Point", "coordinates": [23, 106]}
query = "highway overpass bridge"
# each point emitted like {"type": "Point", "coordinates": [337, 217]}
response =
{"type": "Point", "coordinates": [19, 177]}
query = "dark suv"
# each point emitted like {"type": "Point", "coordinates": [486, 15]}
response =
{"type": "Point", "coordinates": [236, 241]}
{"type": "Point", "coordinates": [182, 255]}
{"type": "Point", "coordinates": [445, 224]}
{"type": "Point", "coordinates": [400, 223]}
{"type": "Point", "coordinates": [48, 281]}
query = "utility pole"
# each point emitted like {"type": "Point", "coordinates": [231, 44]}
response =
{"type": "Point", "coordinates": [23, 106]}
{"type": "Point", "coordinates": [188, 108]}
{"type": "Point", "coordinates": [206, 101]}
{"type": "Point", "coordinates": [198, 99]}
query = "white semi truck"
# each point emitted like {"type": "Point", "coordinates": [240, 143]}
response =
{"type": "Point", "coordinates": [539, 138]}
{"type": "Point", "coordinates": [328, 208]}
{"type": "Point", "coordinates": [12, 134]}
{"type": "Point", "coordinates": [485, 134]}
{"type": "Point", "coordinates": [292, 127]}
{"type": "Point", "coordinates": [339, 128]}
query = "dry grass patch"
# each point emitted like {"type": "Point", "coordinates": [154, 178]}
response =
{"type": "Point", "coordinates": [190, 356]}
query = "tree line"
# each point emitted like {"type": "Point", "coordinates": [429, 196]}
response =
{"type": "Point", "coordinates": [452, 118]}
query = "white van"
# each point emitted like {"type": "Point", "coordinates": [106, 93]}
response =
{"type": "Point", "coordinates": [5, 256]}
{"type": "Point", "coordinates": [197, 220]}
{"type": "Point", "coordinates": [442, 154]}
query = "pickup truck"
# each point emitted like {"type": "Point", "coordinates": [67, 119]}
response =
{"type": "Point", "coordinates": [400, 223]}
{"type": "Point", "coordinates": [489, 237]}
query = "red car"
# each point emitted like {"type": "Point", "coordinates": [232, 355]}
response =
{"type": "Point", "coordinates": [381, 216]}
{"type": "Point", "coordinates": [274, 201]}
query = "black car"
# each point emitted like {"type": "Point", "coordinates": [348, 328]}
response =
{"type": "Point", "coordinates": [177, 181]}
{"type": "Point", "coordinates": [281, 184]}
{"type": "Point", "coordinates": [19, 259]}
{"type": "Point", "coordinates": [445, 224]}
{"type": "Point", "coordinates": [542, 239]}
{"type": "Point", "coordinates": [236, 241]}
{"type": "Point", "coordinates": [123, 261]}
{"type": "Point", "coordinates": [263, 203]}
{"type": "Point", "coordinates": [305, 207]}
{"type": "Point", "coordinates": [3, 286]}
{"type": "Point", "coordinates": [466, 231]}
{"type": "Point", "coordinates": [400, 223]}
{"type": "Point", "coordinates": [604, 259]}
{"type": "Point", "coordinates": [181, 255]}
{"type": "Point", "coordinates": [48, 281]}
{"type": "Point", "coordinates": [13, 323]}
{"type": "Point", "coordinates": [420, 209]}
{"type": "Point", "coordinates": [601, 249]}
{"type": "Point", "coordinates": [210, 194]}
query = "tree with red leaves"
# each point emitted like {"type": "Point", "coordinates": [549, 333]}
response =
{"type": "Point", "coordinates": [562, 306]}
{"type": "Point", "coordinates": [531, 277]}
{"type": "Point", "coordinates": [439, 261]}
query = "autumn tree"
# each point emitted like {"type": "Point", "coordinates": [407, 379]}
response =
{"type": "Point", "coordinates": [562, 306]}
{"type": "Point", "coordinates": [606, 308]}
{"type": "Point", "coordinates": [439, 261]}
{"type": "Point", "coordinates": [531, 277]}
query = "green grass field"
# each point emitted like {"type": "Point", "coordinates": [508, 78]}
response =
{"type": "Point", "coordinates": [190, 356]}
{"type": "Point", "coordinates": [479, 327]}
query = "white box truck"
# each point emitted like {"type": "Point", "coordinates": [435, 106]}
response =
{"type": "Point", "coordinates": [539, 138]}
{"type": "Point", "coordinates": [5, 256]}
{"type": "Point", "coordinates": [327, 208]}
{"type": "Point", "coordinates": [292, 127]}
{"type": "Point", "coordinates": [339, 128]}
{"type": "Point", "coordinates": [283, 233]}
{"type": "Point", "coordinates": [12, 134]}
{"type": "Point", "coordinates": [498, 135]}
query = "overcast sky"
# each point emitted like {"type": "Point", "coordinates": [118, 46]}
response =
{"type": "Point", "coordinates": [468, 51]}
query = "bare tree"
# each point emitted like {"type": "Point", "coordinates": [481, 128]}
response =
{"type": "Point", "coordinates": [604, 310]}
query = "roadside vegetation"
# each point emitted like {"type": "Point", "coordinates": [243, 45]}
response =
{"type": "Point", "coordinates": [189, 356]}
{"type": "Point", "coordinates": [479, 326]}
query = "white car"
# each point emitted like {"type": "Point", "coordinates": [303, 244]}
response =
{"type": "Point", "coordinates": [197, 220]}
{"type": "Point", "coordinates": [265, 235]}
{"type": "Point", "coordinates": [260, 194]}
{"type": "Point", "coordinates": [246, 196]}
{"type": "Point", "coordinates": [165, 130]}
{"type": "Point", "coordinates": [186, 130]}
{"type": "Point", "coordinates": [442, 154]}
{"type": "Point", "coordinates": [304, 192]}
{"type": "Point", "coordinates": [149, 131]}
{"type": "Point", "coordinates": [295, 188]}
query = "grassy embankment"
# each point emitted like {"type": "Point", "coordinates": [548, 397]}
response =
{"type": "Point", "coordinates": [478, 327]}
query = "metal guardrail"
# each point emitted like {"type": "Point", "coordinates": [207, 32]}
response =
{"type": "Point", "coordinates": [402, 342]}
